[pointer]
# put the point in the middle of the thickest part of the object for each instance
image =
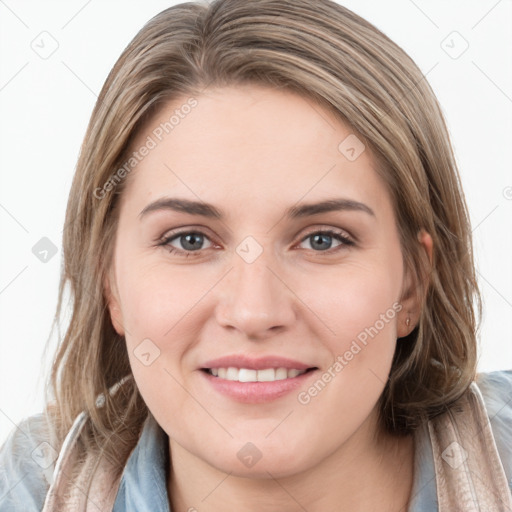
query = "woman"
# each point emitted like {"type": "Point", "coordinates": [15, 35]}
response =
{"type": "Point", "coordinates": [271, 264]}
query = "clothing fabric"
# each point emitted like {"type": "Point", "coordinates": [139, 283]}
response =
{"type": "Point", "coordinates": [28, 465]}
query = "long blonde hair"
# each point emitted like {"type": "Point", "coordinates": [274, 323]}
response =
{"type": "Point", "coordinates": [332, 56]}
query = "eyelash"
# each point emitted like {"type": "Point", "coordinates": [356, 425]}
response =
{"type": "Point", "coordinates": [165, 241]}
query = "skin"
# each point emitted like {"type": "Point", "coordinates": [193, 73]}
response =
{"type": "Point", "coordinates": [253, 152]}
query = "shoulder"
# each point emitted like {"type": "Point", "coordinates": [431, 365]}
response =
{"type": "Point", "coordinates": [496, 389]}
{"type": "Point", "coordinates": [27, 460]}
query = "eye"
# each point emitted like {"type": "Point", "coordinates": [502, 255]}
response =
{"type": "Point", "coordinates": [190, 241]}
{"type": "Point", "coordinates": [321, 240]}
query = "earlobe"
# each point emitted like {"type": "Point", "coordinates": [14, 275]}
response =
{"type": "Point", "coordinates": [411, 299]}
{"type": "Point", "coordinates": [406, 320]}
{"type": "Point", "coordinates": [116, 316]}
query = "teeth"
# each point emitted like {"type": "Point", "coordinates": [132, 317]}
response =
{"type": "Point", "coordinates": [247, 375]}
{"type": "Point", "coordinates": [268, 375]}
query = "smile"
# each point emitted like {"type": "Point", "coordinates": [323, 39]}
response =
{"type": "Point", "coordinates": [249, 375]}
{"type": "Point", "coordinates": [242, 384]}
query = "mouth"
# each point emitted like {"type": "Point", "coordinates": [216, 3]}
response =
{"type": "Point", "coordinates": [234, 374]}
{"type": "Point", "coordinates": [251, 379]}
{"type": "Point", "coordinates": [251, 386]}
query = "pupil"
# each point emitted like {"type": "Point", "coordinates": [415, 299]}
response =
{"type": "Point", "coordinates": [193, 236]}
{"type": "Point", "coordinates": [322, 237]}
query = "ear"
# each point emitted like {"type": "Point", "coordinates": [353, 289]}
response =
{"type": "Point", "coordinates": [411, 300]}
{"type": "Point", "coordinates": [113, 303]}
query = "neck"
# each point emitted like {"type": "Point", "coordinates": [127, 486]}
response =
{"type": "Point", "coordinates": [359, 476]}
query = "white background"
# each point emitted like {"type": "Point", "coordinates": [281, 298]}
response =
{"type": "Point", "coordinates": [45, 105]}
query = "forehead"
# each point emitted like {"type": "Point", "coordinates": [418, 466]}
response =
{"type": "Point", "coordinates": [250, 144]}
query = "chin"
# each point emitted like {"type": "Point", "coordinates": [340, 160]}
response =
{"type": "Point", "coordinates": [265, 468]}
{"type": "Point", "coordinates": [259, 460]}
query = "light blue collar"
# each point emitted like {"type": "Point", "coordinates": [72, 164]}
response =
{"type": "Point", "coordinates": [143, 484]}
{"type": "Point", "coordinates": [424, 489]}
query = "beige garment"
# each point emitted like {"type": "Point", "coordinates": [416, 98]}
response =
{"type": "Point", "coordinates": [469, 473]}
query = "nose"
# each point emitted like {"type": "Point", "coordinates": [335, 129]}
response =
{"type": "Point", "coordinates": [255, 298]}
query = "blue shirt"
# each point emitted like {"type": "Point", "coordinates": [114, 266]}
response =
{"type": "Point", "coordinates": [26, 471]}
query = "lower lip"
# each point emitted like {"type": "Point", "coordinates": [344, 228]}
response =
{"type": "Point", "coordinates": [256, 392]}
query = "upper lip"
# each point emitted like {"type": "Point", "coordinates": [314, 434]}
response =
{"type": "Point", "coordinates": [255, 363]}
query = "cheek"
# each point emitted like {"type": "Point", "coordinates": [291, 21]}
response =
{"type": "Point", "coordinates": [366, 322]}
{"type": "Point", "coordinates": [358, 307]}
{"type": "Point", "coordinates": [158, 336]}
{"type": "Point", "coordinates": [357, 302]}
{"type": "Point", "coordinates": [161, 307]}
{"type": "Point", "coordinates": [155, 299]}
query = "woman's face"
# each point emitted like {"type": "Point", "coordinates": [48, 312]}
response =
{"type": "Point", "coordinates": [259, 277]}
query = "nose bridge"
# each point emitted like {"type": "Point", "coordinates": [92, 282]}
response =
{"type": "Point", "coordinates": [253, 298]}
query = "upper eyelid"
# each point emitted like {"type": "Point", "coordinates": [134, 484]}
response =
{"type": "Point", "coordinates": [171, 235]}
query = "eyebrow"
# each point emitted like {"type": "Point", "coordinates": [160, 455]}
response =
{"type": "Point", "coordinates": [208, 210]}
